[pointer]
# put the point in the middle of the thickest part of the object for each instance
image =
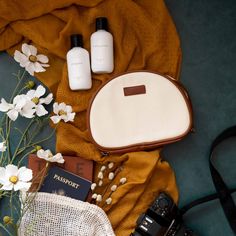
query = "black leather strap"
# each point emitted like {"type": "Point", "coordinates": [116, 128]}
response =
{"type": "Point", "coordinates": [223, 192]}
{"type": "Point", "coordinates": [202, 200]}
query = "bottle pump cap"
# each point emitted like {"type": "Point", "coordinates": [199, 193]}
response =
{"type": "Point", "coordinates": [101, 23]}
{"type": "Point", "coordinates": [76, 40]}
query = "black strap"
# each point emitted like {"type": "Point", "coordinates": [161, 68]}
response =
{"type": "Point", "coordinates": [202, 200]}
{"type": "Point", "coordinates": [223, 192]}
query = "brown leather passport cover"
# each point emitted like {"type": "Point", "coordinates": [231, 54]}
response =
{"type": "Point", "coordinates": [75, 165]}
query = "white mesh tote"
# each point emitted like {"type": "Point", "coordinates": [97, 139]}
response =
{"type": "Point", "coordinates": [55, 215]}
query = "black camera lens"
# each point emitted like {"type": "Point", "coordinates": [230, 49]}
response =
{"type": "Point", "coordinates": [163, 203]}
{"type": "Point", "coordinates": [163, 210]}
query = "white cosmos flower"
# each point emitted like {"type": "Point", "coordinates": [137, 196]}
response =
{"type": "Point", "coordinates": [48, 156]}
{"type": "Point", "coordinates": [36, 97]}
{"type": "Point", "coordinates": [63, 112]}
{"type": "Point", "coordinates": [29, 59]}
{"type": "Point", "coordinates": [21, 105]}
{"type": "Point", "coordinates": [13, 178]}
{"type": "Point", "coordinates": [3, 146]}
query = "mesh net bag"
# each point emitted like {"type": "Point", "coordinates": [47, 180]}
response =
{"type": "Point", "coordinates": [54, 215]}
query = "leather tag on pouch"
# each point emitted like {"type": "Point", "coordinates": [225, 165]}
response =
{"type": "Point", "coordinates": [76, 165]}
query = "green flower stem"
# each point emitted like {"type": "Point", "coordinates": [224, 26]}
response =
{"type": "Point", "coordinates": [29, 200]}
{"type": "Point", "coordinates": [3, 139]}
{"type": "Point", "coordinates": [14, 92]}
{"type": "Point", "coordinates": [5, 193]}
{"type": "Point", "coordinates": [20, 78]}
{"type": "Point", "coordinates": [44, 172]}
{"type": "Point", "coordinates": [35, 132]}
{"type": "Point", "coordinates": [1, 158]}
{"type": "Point", "coordinates": [11, 203]}
{"type": "Point", "coordinates": [29, 144]}
{"type": "Point", "coordinates": [25, 155]}
{"type": "Point", "coordinates": [9, 233]}
{"type": "Point", "coordinates": [36, 142]}
{"type": "Point", "coordinates": [21, 140]}
{"type": "Point", "coordinates": [22, 89]}
{"type": "Point", "coordinates": [2, 121]}
{"type": "Point", "coordinates": [1, 133]}
{"type": "Point", "coordinates": [8, 122]}
{"type": "Point", "coordinates": [13, 95]}
{"type": "Point", "coordinates": [15, 229]}
{"type": "Point", "coordinates": [8, 131]}
{"type": "Point", "coordinates": [43, 140]}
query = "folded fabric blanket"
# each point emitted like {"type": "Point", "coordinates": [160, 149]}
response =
{"type": "Point", "coordinates": [144, 38]}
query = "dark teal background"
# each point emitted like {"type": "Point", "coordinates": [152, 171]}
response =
{"type": "Point", "coordinates": [207, 31]}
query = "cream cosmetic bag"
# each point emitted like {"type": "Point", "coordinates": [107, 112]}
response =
{"type": "Point", "coordinates": [137, 111]}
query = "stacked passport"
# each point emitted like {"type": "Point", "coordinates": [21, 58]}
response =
{"type": "Point", "coordinates": [72, 179]}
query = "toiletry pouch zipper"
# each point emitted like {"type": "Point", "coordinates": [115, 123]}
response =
{"type": "Point", "coordinates": [138, 111]}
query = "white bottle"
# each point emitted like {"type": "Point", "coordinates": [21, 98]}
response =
{"type": "Point", "coordinates": [78, 65]}
{"type": "Point", "coordinates": [102, 58]}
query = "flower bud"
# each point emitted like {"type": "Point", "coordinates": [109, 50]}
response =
{"type": "Point", "coordinates": [110, 165]}
{"type": "Point", "coordinates": [109, 200]}
{"type": "Point", "coordinates": [37, 148]}
{"type": "Point", "coordinates": [103, 168]}
{"type": "Point", "coordinates": [7, 220]}
{"type": "Point", "coordinates": [100, 175]}
{"type": "Point", "coordinates": [113, 188]}
{"type": "Point", "coordinates": [99, 198]}
{"type": "Point", "coordinates": [30, 84]}
{"type": "Point", "coordinates": [123, 180]}
{"type": "Point", "coordinates": [93, 186]}
{"type": "Point", "coordinates": [111, 176]}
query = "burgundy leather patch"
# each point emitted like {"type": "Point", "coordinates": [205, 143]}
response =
{"type": "Point", "coordinates": [134, 90]}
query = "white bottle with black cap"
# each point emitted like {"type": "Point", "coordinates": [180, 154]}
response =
{"type": "Point", "coordinates": [102, 58]}
{"type": "Point", "coordinates": [78, 64]}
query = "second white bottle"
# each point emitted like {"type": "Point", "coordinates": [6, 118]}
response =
{"type": "Point", "coordinates": [102, 60]}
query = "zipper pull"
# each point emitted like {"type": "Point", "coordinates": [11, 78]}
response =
{"type": "Point", "coordinates": [105, 154]}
